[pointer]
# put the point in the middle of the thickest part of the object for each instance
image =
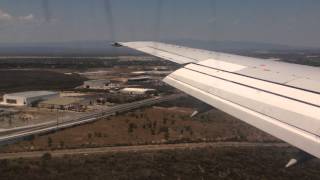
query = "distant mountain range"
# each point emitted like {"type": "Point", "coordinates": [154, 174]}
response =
{"type": "Point", "coordinates": [103, 48]}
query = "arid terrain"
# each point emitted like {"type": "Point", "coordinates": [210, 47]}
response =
{"type": "Point", "coordinates": [159, 126]}
{"type": "Point", "coordinates": [207, 163]}
{"type": "Point", "coordinates": [167, 123]}
{"type": "Point", "coordinates": [153, 125]}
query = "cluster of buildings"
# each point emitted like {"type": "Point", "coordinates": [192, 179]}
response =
{"type": "Point", "coordinates": [105, 84]}
{"type": "Point", "coordinates": [53, 100]}
{"type": "Point", "coordinates": [102, 84]}
{"type": "Point", "coordinates": [121, 86]}
{"type": "Point", "coordinates": [44, 99]}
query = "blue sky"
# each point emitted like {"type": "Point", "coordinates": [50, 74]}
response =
{"type": "Point", "coordinates": [291, 22]}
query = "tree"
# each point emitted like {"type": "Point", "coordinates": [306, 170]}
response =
{"type": "Point", "coordinates": [165, 121]}
{"type": "Point", "coordinates": [61, 143]}
{"type": "Point", "coordinates": [10, 121]}
{"type": "Point", "coordinates": [89, 135]}
{"type": "Point", "coordinates": [49, 141]}
{"type": "Point", "coordinates": [46, 157]}
{"type": "Point", "coordinates": [153, 132]}
{"type": "Point", "coordinates": [131, 127]}
{"type": "Point", "coordinates": [167, 135]}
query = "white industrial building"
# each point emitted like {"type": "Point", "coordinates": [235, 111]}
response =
{"type": "Point", "coordinates": [27, 98]}
{"type": "Point", "coordinates": [137, 91]}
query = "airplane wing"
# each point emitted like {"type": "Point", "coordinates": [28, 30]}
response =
{"type": "Point", "coordinates": [279, 98]}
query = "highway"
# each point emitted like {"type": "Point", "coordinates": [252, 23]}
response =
{"type": "Point", "coordinates": [141, 148]}
{"type": "Point", "coordinates": [51, 127]}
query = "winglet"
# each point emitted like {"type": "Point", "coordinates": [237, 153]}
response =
{"type": "Point", "coordinates": [116, 44]}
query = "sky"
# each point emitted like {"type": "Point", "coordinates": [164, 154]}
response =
{"type": "Point", "coordinates": [286, 22]}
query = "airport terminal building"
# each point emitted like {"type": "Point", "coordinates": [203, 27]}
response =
{"type": "Point", "coordinates": [27, 98]}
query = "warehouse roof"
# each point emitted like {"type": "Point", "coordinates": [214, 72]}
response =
{"type": "Point", "coordinates": [63, 101]}
{"type": "Point", "coordinates": [30, 94]}
{"type": "Point", "coordinates": [141, 90]}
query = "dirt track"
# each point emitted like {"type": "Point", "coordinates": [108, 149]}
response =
{"type": "Point", "coordinates": [142, 148]}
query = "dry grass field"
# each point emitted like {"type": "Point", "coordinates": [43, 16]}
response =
{"type": "Point", "coordinates": [154, 125]}
{"type": "Point", "coordinates": [210, 163]}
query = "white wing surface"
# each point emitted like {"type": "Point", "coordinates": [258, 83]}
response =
{"type": "Point", "coordinates": [279, 98]}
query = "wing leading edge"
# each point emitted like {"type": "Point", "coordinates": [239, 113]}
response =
{"type": "Point", "coordinates": [279, 98]}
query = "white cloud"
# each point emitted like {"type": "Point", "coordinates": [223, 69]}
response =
{"type": "Point", "coordinates": [29, 17]}
{"type": "Point", "coordinates": [6, 17]}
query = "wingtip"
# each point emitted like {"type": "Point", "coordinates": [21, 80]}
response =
{"type": "Point", "coordinates": [116, 44]}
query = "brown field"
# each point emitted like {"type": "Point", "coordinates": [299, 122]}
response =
{"type": "Point", "coordinates": [209, 163]}
{"type": "Point", "coordinates": [155, 125]}
{"type": "Point", "coordinates": [166, 123]}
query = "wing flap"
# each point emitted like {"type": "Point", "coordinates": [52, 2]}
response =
{"type": "Point", "coordinates": [309, 84]}
{"type": "Point", "coordinates": [256, 98]}
{"type": "Point", "coordinates": [274, 88]}
{"type": "Point", "coordinates": [239, 107]}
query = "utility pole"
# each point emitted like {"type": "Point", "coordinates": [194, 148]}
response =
{"type": "Point", "coordinates": [57, 117]}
